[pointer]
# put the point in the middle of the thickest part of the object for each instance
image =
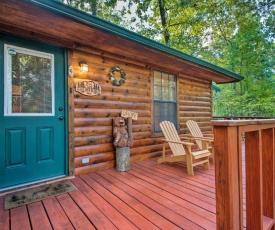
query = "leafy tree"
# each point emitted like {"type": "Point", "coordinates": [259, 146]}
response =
{"type": "Point", "coordinates": [238, 35]}
{"type": "Point", "coordinates": [102, 8]}
{"type": "Point", "coordinates": [250, 54]}
{"type": "Point", "coordinates": [87, 5]}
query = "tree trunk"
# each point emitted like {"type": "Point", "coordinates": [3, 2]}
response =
{"type": "Point", "coordinates": [94, 7]}
{"type": "Point", "coordinates": [163, 21]}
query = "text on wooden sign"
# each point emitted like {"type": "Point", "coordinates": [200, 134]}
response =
{"type": "Point", "coordinates": [88, 88]}
{"type": "Point", "coordinates": [126, 113]}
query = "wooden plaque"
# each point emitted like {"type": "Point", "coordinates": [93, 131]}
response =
{"type": "Point", "coordinates": [126, 113]}
{"type": "Point", "coordinates": [88, 88]}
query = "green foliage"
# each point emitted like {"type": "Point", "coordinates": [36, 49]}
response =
{"type": "Point", "coordinates": [102, 8]}
{"type": "Point", "coordinates": [237, 35]}
{"type": "Point", "coordinates": [257, 101]}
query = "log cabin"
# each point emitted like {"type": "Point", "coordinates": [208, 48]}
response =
{"type": "Point", "coordinates": [64, 75]}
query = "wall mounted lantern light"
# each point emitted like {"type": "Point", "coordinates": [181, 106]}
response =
{"type": "Point", "coordinates": [83, 66]}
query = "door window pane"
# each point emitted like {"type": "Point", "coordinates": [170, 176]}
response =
{"type": "Point", "coordinates": [28, 82]}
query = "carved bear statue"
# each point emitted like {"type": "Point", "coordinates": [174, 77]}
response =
{"type": "Point", "coordinates": [122, 132]}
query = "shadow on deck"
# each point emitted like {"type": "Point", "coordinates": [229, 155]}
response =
{"type": "Point", "coordinates": [149, 196]}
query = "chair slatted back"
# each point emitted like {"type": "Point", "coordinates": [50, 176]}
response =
{"type": "Point", "coordinates": [170, 133]}
{"type": "Point", "coordinates": [195, 131]}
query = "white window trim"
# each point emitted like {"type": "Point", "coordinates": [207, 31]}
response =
{"type": "Point", "coordinates": [8, 85]}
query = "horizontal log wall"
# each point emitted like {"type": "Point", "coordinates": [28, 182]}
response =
{"type": "Point", "coordinates": [93, 114]}
{"type": "Point", "coordinates": [195, 103]}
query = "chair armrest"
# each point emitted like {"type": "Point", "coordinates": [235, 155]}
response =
{"type": "Point", "coordinates": [198, 138]}
{"type": "Point", "coordinates": [178, 142]}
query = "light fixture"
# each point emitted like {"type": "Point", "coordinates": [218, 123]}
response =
{"type": "Point", "coordinates": [83, 66]}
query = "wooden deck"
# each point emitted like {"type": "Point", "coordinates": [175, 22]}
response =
{"type": "Point", "coordinates": [149, 196]}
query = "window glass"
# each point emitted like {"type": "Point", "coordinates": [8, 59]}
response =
{"type": "Point", "coordinates": [157, 78]}
{"type": "Point", "coordinates": [28, 82]}
{"type": "Point", "coordinates": [165, 103]}
{"type": "Point", "coordinates": [157, 92]}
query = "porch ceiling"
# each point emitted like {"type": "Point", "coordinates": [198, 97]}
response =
{"type": "Point", "coordinates": [53, 22]}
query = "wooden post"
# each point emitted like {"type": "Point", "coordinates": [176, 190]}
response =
{"type": "Point", "coordinates": [259, 173]}
{"type": "Point", "coordinates": [71, 132]}
{"type": "Point", "coordinates": [254, 185]}
{"type": "Point", "coordinates": [227, 176]}
{"type": "Point", "coordinates": [268, 172]}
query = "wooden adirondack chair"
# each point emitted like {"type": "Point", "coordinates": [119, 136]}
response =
{"type": "Point", "coordinates": [199, 138]}
{"type": "Point", "coordinates": [181, 151]}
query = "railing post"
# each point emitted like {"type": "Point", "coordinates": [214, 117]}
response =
{"type": "Point", "coordinates": [259, 173]}
{"type": "Point", "coordinates": [268, 172]}
{"type": "Point", "coordinates": [227, 176]}
{"type": "Point", "coordinates": [254, 184]}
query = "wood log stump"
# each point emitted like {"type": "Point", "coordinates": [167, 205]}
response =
{"type": "Point", "coordinates": [123, 159]}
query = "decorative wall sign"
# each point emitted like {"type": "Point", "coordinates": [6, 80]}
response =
{"type": "Point", "coordinates": [126, 113]}
{"type": "Point", "coordinates": [115, 81]}
{"type": "Point", "coordinates": [88, 88]}
{"type": "Point", "coordinates": [71, 71]}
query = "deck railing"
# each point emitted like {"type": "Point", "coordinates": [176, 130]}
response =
{"type": "Point", "coordinates": [249, 175]}
{"type": "Point", "coordinates": [240, 117]}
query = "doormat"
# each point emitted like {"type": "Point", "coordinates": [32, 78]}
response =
{"type": "Point", "coordinates": [31, 195]}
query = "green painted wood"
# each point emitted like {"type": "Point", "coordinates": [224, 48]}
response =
{"type": "Point", "coordinates": [32, 148]}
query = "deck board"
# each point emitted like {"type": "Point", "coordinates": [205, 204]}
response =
{"type": "Point", "coordinates": [95, 216]}
{"type": "Point", "coordinates": [196, 198]}
{"type": "Point", "coordinates": [4, 216]}
{"type": "Point", "coordinates": [119, 220]}
{"type": "Point", "coordinates": [177, 179]}
{"type": "Point", "coordinates": [157, 206]}
{"type": "Point", "coordinates": [38, 216]}
{"type": "Point", "coordinates": [168, 201]}
{"type": "Point", "coordinates": [74, 213]}
{"type": "Point", "coordinates": [134, 203]}
{"type": "Point", "coordinates": [56, 214]}
{"type": "Point", "coordinates": [167, 193]}
{"type": "Point", "coordinates": [19, 218]}
{"type": "Point", "coordinates": [148, 196]}
{"type": "Point", "coordinates": [123, 207]}
{"type": "Point", "coordinates": [179, 170]}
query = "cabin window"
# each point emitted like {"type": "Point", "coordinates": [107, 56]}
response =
{"type": "Point", "coordinates": [165, 100]}
{"type": "Point", "coordinates": [29, 77]}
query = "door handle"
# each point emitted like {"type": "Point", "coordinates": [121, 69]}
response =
{"type": "Point", "coordinates": [60, 118]}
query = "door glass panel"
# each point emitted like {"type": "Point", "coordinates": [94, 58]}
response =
{"type": "Point", "coordinates": [28, 82]}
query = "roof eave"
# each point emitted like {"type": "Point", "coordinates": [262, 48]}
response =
{"type": "Point", "coordinates": [102, 24]}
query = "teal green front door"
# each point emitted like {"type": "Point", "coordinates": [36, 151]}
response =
{"type": "Point", "coordinates": [32, 101]}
